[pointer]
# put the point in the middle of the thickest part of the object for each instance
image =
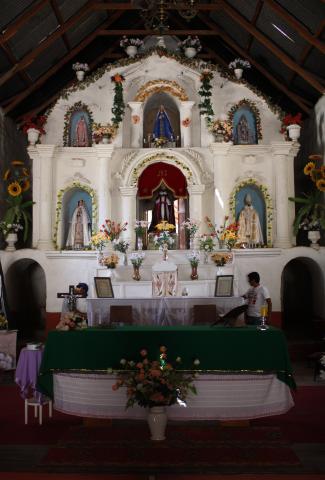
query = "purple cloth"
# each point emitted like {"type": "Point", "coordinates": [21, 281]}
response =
{"type": "Point", "coordinates": [27, 372]}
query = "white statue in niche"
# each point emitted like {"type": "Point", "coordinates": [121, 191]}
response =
{"type": "Point", "coordinates": [79, 234]}
{"type": "Point", "coordinates": [250, 231]}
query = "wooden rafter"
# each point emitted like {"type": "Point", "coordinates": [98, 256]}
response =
{"type": "Point", "coordinates": [67, 58]}
{"type": "Point", "coordinates": [218, 31]}
{"type": "Point", "coordinates": [130, 6]}
{"type": "Point", "coordinates": [144, 32]}
{"type": "Point", "coordinates": [12, 59]}
{"type": "Point", "coordinates": [283, 57]}
{"type": "Point", "coordinates": [257, 12]}
{"type": "Point", "coordinates": [290, 20]}
{"type": "Point", "coordinates": [60, 20]}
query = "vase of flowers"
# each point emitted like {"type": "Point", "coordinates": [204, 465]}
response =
{"type": "Point", "coordinates": [121, 246]}
{"type": "Point", "coordinates": [136, 259]}
{"type": "Point", "coordinates": [80, 69]}
{"type": "Point", "coordinates": [191, 226]}
{"type": "Point", "coordinates": [206, 245]}
{"type": "Point", "coordinates": [10, 231]}
{"type": "Point", "coordinates": [194, 259]}
{"type": "Point", "coordinates": [156, 384]}
{"type": "Point", "coordinates": [34, 127]}
{"type": "Point", "coordinates": [190, 46]}
{"type": "Point", "coordinates": [227, 235]}
{"type": "Point", "coordinates": [238, 66]}
{"type": "Point", "coordinates": [98, 241]}
{"type": "Point", "coordinates": [131, 45]}
{"type": "Point", "coordinates": [291, 126]}
{"type": "Point", "coordinates": [103, 133]}
{"type": "Point", "coordinates": [110, 261]}
{"type": "Point", "coordinates": [221, 129]}
{"type": "Point", "coordinates": [140, 228]}
{"type": "Point", "coordinates": [164, 238]}
{"type": "Point", "coordinates": [112, 229]}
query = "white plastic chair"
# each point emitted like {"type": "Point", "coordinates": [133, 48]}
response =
{"type": "Point", "coordinates": [38, 408]}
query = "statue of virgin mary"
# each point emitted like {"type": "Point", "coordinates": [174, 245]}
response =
{"type": "Point", "coordinates": [80, 228]}
{"type": "Point", "coordinates": [162, 127]}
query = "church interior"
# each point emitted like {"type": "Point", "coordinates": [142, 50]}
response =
{"type": "Point", "coordinates": [162, 239]}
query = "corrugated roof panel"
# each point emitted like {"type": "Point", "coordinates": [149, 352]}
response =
{"type": "Point", "coordinates": [310, 13]}
{"type": "Point", "coordinates": [9, 89]}
{"type": "Point", "coordinates": [33, 32]}
{"type": "Point", "coordinates": [303, 88]}
{"type": "Point", "coordinates": [245, 7]}
{"type": "Point", "coordinates": [238, 33]}
{"type": "Point", "coordinates": [45, 61]}
{"type": "Point", "coordinates": [85, 27]}
{"type": "Point", "coordinates": [269, 61]}
{"type": "Point", "coordinates": [69, 8]}
{"type": "Point", "coordinates": [10, 10]}
{"type": "Point", "coordinates": [314, 60]}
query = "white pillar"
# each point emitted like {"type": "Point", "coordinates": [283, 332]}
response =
{"type": "Point", "coordinates": [284, 153]}
{"type": "Point", "coordinates": [196, 202]}
{"type": "Point", "coordinates": [129, 210]}
{"type": "Point", "coordinates": [136, 124]}
{"type": "Point", "coordinates": [186, 132]}
{"type": "Point", "coordinates": [221, 172]}
{"type": "Point", "coordinates": [44, 207]}
{"type": "Point", "coordinates": [104, 155]}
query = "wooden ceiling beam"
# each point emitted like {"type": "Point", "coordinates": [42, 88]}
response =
{"type": "Point", "coordinates": [67, 58]}
{"type": "Point", "coordinates": [180, 33]}
{"type": "Point", "coordinates": [12, 59]}
{"type": "Point", "coordinates": [60, 21]}
{"type": "Point", "coordinates": [257, 12]}
{"type": "Point", "coordinates": [23, 18]}
{"type": "Point", "coordinates": [294, 97]}
{"type": "Point", "coordinates": [30, 57]}
{"type": "Point", "coordinates": [283, 57]}
{"type": "Point", "coordinates": [210, 7]}
{"type": "Point", "coordinates": [290, 20]}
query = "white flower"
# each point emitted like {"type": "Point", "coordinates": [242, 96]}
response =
{"type": "Point", "coordinates": [239, 63]}
{"type": "Point", "coordinates": [123, 361]}
{"type": "Point", "coordinates": [178, 359]}
{"type": "Point", "coordinates": [196, 362]}
{"type": "Point", "coordinates": [131, 363]}
{"type": "Point", "coordinates": [77, 67]}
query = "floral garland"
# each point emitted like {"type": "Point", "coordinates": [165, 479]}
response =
{"type": "Point", "coordinates": [67, 117]}
{"type": "Point", "coordinates": [268, 204]}
{"type": "Point", "coordinates": [58, 209]}
{"type": "Point", "coordinates": [251, 105]}
{"type": "Point", "coordinates": [157, 86]}
{"type": "Point", "coordinates": [118, 102]}
{"type": "Point", "coordinates": [205, 105]}
{"type": "Point", "coordinates": [159, 156]}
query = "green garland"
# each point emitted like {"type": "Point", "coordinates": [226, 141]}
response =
{"type": "Point", "coordinates": [205, 105]}
{"type": "Point", "coordinates": [268, 204]}
{"type": "Point", "coordinates": [94, 213]}
{"type": "Point", "coordinates": [156, 157]}
{"type": "Point", "coordinates": [67, 117]}
{"type": "Point", "coordinates": [118, 102]}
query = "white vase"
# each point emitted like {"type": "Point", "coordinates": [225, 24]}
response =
{"type": "Point", "coordinates": [105, 139]}
{"type": "Point", "coordinates": [140, 243]}
{"type": "Point", "coordinates": [131, 50]}
{"type": "Point", "coordinates": [100, 257]}
{"type": "Point", "coordinates": [190, 52]}
{"type": "Point", "coordinates": [80, 75]}
{"type": "Point", "coordinates": [11, 239]}
{"type": "Point", "coordinates": [32, 135]}
{"type": "Point", "coordinates": [314, 236]}
{"type": "Point", "coordinates": [206, 257]}
{"type": "Point", "coordinates": [238, 73]}
{"type": "Point", "coordinates": [157, 421]}
{"type": "Point", "coordinates": [294, 131]}
{"type": "Point", "coordinates": [192, 243]}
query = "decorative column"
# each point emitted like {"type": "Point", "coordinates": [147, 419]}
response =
{"type": "Point", "coordinates": [221, 171]}
{"type": "Point", "coordinates": [136, 124]}
{"type": "Point", "coordinates": [196, 202]}
{"type": "Point", "coordinates": [44, 207]}
{"type": "Point", "coordinates": [283, 154]}
{"type": "Point", "coordinates": [104, 155]}
{"type": "Point", "coordinates": [186, 131]}
{"type": "Point", "coordinates": [129, 210]}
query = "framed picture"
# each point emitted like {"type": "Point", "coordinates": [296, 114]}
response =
{"type": "Point", "coordinates": [104, 287]}
{"type": "Point", "coordinates": [224, 284]}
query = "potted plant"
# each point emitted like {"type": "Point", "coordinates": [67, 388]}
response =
{"type": "Point", "coordinates": [221, 129]}
{"type": "Point", "coordinates": [140, 227]}
{"type": "Point", "coordinates": [190, 46]}
{"type": "Point", "coordinates": [99, 240]}
{"type": "Point", "coordinates": [80, 69]}
{"type": "Point", "coordinates": [191, 226]}
{"type": "Point", "coordinates": [33, 126]}
{"type": "Point", "coordinates": [121, 246]}
{"type": "Point", "coordinates": [155, 384]}
{"type": "Point", "coordinates": [238, 66]}
{"type": "Point", "coordinates": [10, 231]}
{"type": "Point", "coordinates": [103, 133]}
{"type": "Point", "coordinates": [131, 45]}
{"type": "Point", "coordinates": [194, 259]}
{"type": "Point", "coordinates": [291, 126]}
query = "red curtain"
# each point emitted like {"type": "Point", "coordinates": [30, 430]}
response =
{"type": "Point", "coordinates": [160, 172]}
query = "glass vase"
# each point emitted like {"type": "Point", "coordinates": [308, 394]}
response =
{"type": "Point", "coordinates": [194, 274]}
{"type": "Point", "coordinates": [125, 259]}
{"type": "Point", "coordinates": [136, 273]}
{"type": "Point", "coordinates": [165, 252]}
{"type": "Point", "coordinates": [206, 257]}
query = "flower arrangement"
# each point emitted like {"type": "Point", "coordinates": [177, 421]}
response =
{"type": "Point", "coordinates": [120, 245]}
{"type": "Point", "coordinates": [140, 226]}
{"type": "Point", "coordinates": [239, 63]}
{"type": "Point", "coordinates": [225, 234]}
{"type": "Point", "coordinates": [7, 228]}
{"type": "Point", "coordinates": [221, 127]}
{"type": "Point", "coordinates": [80, 67]}
{"type": "Point", "coordinates": [34, 122]}
{"type": "Point", "coordinates": [127, 42]}
{"type": "Point", "coordinates": [72, 321]}
{"type": "Point", "coordinates": [151, 383]}
{"type": "Point", "coordinates": [136, 258]}
{"type": "Point", "coordinates": [3, 322]}
{"type": "Point", "coordinates": [163, 238]}
{"type": "Point", "coordinates": [112, 229]}
{"type": "Point", "coordinates": [291, 120]}
{"type": "Point", "coordinates": [17, 181]}
{"type": "Point", "coordinates": [206, 243]}
{"type": "Point", "coordinates": [221, 259]}
{"type": "Point", "coordinates": [110, 261]}
{"type": "Point", "coordinates": [160, 142]}
{"type": "Point", "coordinates": [103, 130]}
{"type": "Point", "coordinates": [191, 225]}
{"type": "Point", "coordinates": [99, 240]}
{"type": "Point", "coordinates": [190, 42]}
{"type": "Point", "coordinates": [311, 215]}
{"type": "Point", "coordinates": [194, 258]}
{"type": "Point", "coordinates": [165, 226]}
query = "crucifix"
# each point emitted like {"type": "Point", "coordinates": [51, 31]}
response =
{"type": "Point", "coordinates": [72, 298]}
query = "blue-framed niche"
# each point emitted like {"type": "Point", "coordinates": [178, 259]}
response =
{"type": "Point", "coordinates": [258, 202]}
{"type": "Point", "coordinates": [69, 204]}
{"type": "Point", "coordinates": [246, 123]}
{"type": "Point", "coordinates": [78, 123]}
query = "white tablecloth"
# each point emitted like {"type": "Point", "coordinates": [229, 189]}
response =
{"type": "Point", "coordinates": [157, 311]}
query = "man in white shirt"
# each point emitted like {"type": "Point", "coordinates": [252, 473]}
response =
{"type": "Point", "coordinates": [257, 296]}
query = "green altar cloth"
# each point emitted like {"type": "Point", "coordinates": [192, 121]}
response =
{"type": "Point", "coordinates": [219, 349]}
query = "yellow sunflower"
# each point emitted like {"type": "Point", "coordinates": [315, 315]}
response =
{"type": "Point", "coordinates": [25, 185]}
{"type": "Point", "coordinates": [320, 184]}
{"type": "Point", "coordinates": [309, 168]}
{"type": "Point", "coordinates": [7, 174]}
{"type": "Point", "coordinates": [14, 189]}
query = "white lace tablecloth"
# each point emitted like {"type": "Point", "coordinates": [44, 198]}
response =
{"type": "Point", "coordinates": [157, 311]}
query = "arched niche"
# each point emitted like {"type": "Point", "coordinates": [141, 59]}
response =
{"type": "Point", "coordinates": [70, 201]}
{"type": "Point", "coordinates": [151, 110]}
{"type": "Point", "coordinates": [78, 126]}
{"type": "Point", "coordinates": [26, 290]}
{"type": "Point", "coordinates": [258, 204]}
{"type": "Point", "coordinates": [246, 123]}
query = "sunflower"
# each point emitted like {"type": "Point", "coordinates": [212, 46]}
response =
{"type": "Point", "coordinates": [309, 168]}
{"type": "Point", "coordinates": [14, 189]}
{"type": "Point", "coordinates": [320, 184]}
{"type": "Point", "coordinates": [7, 174]}
{"type": "Point", "coordinates": [25, 185]}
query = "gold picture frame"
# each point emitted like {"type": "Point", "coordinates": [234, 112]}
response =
{"type": "Point", "coordinates": [104, 288]}
{"type": "Point", "coordinates": [224, 286]}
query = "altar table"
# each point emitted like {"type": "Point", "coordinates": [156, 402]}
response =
{"type": "Point", "coordinates": [158, 311]}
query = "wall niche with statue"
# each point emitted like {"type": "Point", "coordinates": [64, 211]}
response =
{"type": "Point", "coordinates": [78, 122]}
{"type": "Point", "coordinates": [246, 123]}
